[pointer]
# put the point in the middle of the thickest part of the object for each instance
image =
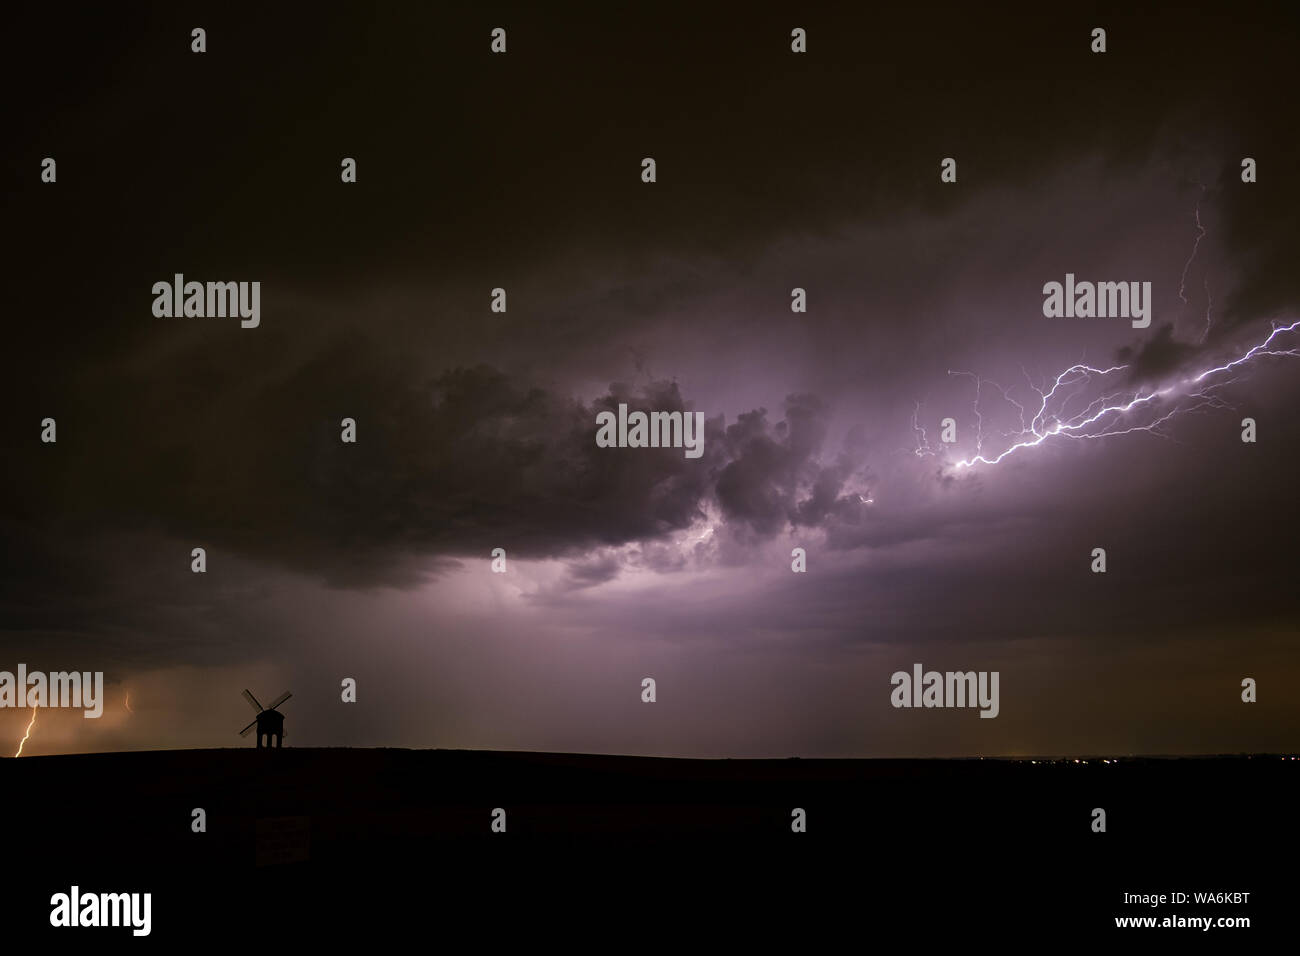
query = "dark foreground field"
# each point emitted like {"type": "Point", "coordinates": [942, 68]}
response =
{"type": "Point", "coordinates": [618, 851]}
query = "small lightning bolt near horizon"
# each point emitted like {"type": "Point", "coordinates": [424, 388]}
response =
{"type": "Point", "coordinates": [30, 725]}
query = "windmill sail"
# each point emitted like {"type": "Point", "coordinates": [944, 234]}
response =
{"type": "Point", "coordinates": [270, 718]}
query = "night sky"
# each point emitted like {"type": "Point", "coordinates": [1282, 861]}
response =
{"type": "Point", "coordinates": [476, 430]}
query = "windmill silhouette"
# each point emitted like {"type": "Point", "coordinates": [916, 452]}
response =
{"type": "Point", "coordinates": [269, 722]}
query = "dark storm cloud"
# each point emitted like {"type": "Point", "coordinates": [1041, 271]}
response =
{"type": "Point", "coordinates": [113, 599]}
{"type": "Point", "coordinates": [773, 479]}
{"type": "Point", "coordinates": [444, 467]}
{"type": "Point", "coordinates": [1157, 355]}
{"type": "Point", "coordinates": [1264, 245]}
{"type": "Point", "coordinates": [514, 158]}
{"type": "Point", "coordinates": [589, 573]}
{"type": "Point", "coordinates": [457, 464]}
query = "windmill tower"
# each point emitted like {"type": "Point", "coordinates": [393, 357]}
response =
{"type": "Point", "coordinates": [269, 721]}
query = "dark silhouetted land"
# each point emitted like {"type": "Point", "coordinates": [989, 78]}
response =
{"type": "Point", "coordinates": [342, 838]}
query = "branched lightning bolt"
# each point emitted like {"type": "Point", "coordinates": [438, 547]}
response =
{"type": "Point", "coordinates": [924, 448]}
{"type": "Point", "coordinates": [923, 444]}
{"type": "Point", "coordinates": [30, 725]}
{"type": "Point", "coordinates": [1209, 304]}
{"type": "Point", "coordinates": [1261, 349]}
{"type": "Point", "coordinates": [1104, 416]}
{"type": "Point", "coordinates": [979, 419]}
{"type": "Point", "coordinates": [1200, 234]}
{"type": "Point", "coordinates": [1196, 244]}
{"type": "Point", "coordinates": [1113, 412]}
